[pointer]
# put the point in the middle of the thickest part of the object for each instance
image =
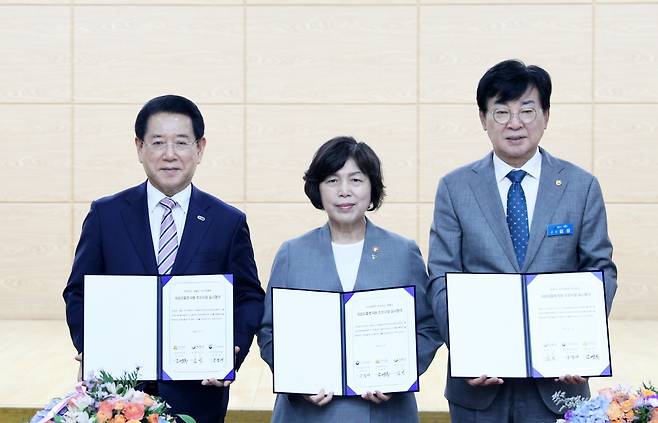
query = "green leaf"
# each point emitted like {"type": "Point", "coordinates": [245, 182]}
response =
{"type": "Point", "coordinates": [185, 418]}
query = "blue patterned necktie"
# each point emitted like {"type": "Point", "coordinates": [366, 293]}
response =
{"type": "Point", "coordinates": [517, 215]}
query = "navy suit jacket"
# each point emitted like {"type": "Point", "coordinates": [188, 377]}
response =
{"type": "Point", "coordinates": [116, 240]}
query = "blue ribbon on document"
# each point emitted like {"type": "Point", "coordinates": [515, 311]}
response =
{"type": "Point", "coordinates": [559, 230]}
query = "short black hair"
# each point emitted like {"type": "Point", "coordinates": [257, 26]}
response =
{"type": "Point", "coordinates": [170, 104]}
{"type": "Point", "coordinates": [331, 157]}
{"type": "Point", "coordinates": [508, 80]}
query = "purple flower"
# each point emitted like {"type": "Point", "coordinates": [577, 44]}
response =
{"type": "Point", "coordinates": [592, 411]}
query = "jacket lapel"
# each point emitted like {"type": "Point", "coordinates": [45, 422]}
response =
{"type": "Point", "coordinates": [372, 249]}
{"type": "Point", "coordinates": [197, 223]}
{"type": "Point", "coordinates": [549, 195]}
{"type": "Point", "coordinates": [485, 188]}
{"type": "Point", "coordinates": [135, 217]}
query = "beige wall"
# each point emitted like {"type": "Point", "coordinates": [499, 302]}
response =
{"type": "Point", "coordinates": [276, 78]}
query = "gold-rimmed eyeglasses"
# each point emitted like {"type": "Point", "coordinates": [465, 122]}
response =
{"type": "Point", "coordinates": [502, 116]}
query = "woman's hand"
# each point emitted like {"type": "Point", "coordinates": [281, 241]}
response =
{"type": "Point", "coordinates": [320, 399]}
{"type": "Point", "coordinates": [376, 397]}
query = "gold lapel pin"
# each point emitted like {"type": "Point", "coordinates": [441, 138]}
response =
{"type": "Point", "coordinates": [558, 182]}
{"type": "Point", "coordinates": [375, 250]}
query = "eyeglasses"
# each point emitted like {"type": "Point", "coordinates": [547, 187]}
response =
{"type": "Point", "coordinates": [178, 145]}
{"type": "Point", "coordinates": [503, 116]}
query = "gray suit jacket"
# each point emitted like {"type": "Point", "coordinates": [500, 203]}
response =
{"type": "Point", "coordinates": [470, 234]}
{"type": "Point", "coordinates": [307, 262]}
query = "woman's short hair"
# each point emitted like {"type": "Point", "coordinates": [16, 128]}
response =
{"type": "Point", "coordinates": [331, 157]}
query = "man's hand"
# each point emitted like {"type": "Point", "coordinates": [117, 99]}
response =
{"type": "Point", "coordinates": [78, 358]}
{"type": "Point", "coordinates": [320, 399]}
{"type": "Point", "coordinates": [485, 381]}
{"type": "Point", "coordinates": [219, 383]}
{"type": "Point", "coordinates": [571, 379]}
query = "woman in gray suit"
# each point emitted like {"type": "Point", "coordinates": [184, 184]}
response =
{"type": "Point", "coordinates": [349, 253]}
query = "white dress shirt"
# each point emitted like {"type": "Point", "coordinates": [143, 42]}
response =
{"type": "Point", "coordinates": [347, 258]}
{"type": "Point", "coordinates": [153, 197]}
{"type": "Point", "coordinates": [530, 182]}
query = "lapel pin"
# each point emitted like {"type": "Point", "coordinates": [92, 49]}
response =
{"type": "Point", "coordinates": [558, 182]}
{"type": "Point", "coordinates": [201, 218]}
{"type": "Point", "coordinates": [375, 250]}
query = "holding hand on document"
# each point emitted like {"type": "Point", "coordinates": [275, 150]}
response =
{"type": "Point", "coordinates": [484, 380]}
{"type": "Point", "coordinates": [572, 379]}
{"type": "Point", "coordinates": [78, 358]}
{"type": "Point", "coordinates": [219, 383]}
{"type": "Point", "coordinates": [320, 399]}
{"type": "Point", "coordinates": [376, 397]}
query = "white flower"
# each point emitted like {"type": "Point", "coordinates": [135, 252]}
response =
{"type": "Point", "coordinates": [76, 416]}
{"type": "Point", "coordinates": [82, 401]}
{"type": "Point", "coordinates": [110, 388]}
{"type": "Point", "coordinates": [133, 396]}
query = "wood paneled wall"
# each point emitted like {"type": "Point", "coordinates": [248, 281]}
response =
{"type": "Point", "coordinates": [276, 78]}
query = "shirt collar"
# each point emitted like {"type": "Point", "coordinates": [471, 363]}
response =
{"type": "Point", "coordinates": [153, 197]}
{"type": "Point", "coordinates": [532, 167]}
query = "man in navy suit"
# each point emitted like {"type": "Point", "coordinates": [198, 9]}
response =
{"type": "Point", "coordinates": [121, 235]}
{"type": "Point", "coordinates": [494, 216]}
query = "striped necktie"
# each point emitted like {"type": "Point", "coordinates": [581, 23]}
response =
{"type": "Point", "coordinates": [168, 238]}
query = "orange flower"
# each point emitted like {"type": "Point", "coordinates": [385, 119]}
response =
{"type": "Point", "coordinates": [104, 411]}
{"type": "Point", "coordinates": [102, 417]}
{"type": "Point", "coordinates": [614, 412]}
{"type": "Point", "coordinates": [133, 411]}
{"type": "Point", "coordinates": [627, 405]}
{"type": "Point", "coordinates": [628, 416]}
{"type": "Point", "coordinates": [118, 419]}
{"type": "Point", "coordinates": [119, 405]}
{"type": "Point", "coordinates": [153, 418]}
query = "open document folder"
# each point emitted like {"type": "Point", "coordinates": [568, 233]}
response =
{"type": "Point", "coordinates": [348, 343]}
{"type": "Point", "coordinates": [171, 327]}
{"type": "Point", "coordinates": [528, 325]}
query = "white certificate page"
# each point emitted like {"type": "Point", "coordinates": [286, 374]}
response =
{"type": "Point", "coordinates": [380, 341]}
{"type": "Point", "coordinates": [120, 325]}
{"type": "Point", "coordinates": [197, 328]}
{"type": "Point", "coordinates": [485, 323]}
{"type": "Point", "coordinates": [568, 325]}
{"type": "Point", "coordinates": [306, 339]}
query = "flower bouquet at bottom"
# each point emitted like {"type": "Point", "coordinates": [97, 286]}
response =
{"type": "Point", "coordinates": [105, 399]}
{"type": "Point", "coordinates": [618, 405]}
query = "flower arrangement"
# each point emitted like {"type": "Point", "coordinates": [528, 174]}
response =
{"type": "Point", "coordinates": [104, 399]}
{"type": "Point", "coordinates": [618, 405]}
